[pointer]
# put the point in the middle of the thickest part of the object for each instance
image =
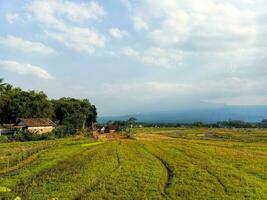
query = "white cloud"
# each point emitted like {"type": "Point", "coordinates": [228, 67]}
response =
{"type": "Point", "coordinates": [139, 22]}
{"type": "Point", "coordinates": [83, 11]}
{"type": "Point", "coordinates": [173, 22]}
{"type": "Point", "coordinates": [221, 88]}
{"type": "Point", "coordinates": [130, 52]}
{"type": "Point", "coordinates": [61, 21]}
{"type": "Point", "coordinates": [79, 39]}
{"type": "Point", "coordinates": [117, 33]}
{"type": "Point", "coordinates": [230, 91]}
{"type": "Point", "coordinates": [156, 56]}
{"type": "Point", "coordinates": [11, 17]}
{"type": "Point", "coordinates": [136, 15]}
{"type": "Point", "coordinates": [229, 35]}
{"type": "Point", "coordinates": [240, 100]}
{"type": "Point", "coordinates": [232, 86]}
{"type": "Point", "coordinates": [24, 45]}
{"type": "Point", "coordinates": [140, 96]}
{"type": "Point", "coordinates": [144, 91]}
{"type": "Point", "coordinates": [48, 11]}
{"type": "Point", "coordinates": [171, 88]}
{"type": "Point", "coordinates": [25, 69]}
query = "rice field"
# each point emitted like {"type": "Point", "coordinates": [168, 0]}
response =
{"type": "Point", "coordinates": [165, 163]}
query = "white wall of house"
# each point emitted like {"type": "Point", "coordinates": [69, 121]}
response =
{"type": "Point", "coordinates": [40, 130]}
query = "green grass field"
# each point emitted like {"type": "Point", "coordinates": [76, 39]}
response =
{"type": "Point", "coordinates": [163, 163]}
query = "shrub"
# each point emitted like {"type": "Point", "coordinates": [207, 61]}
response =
{"type": "Point", "coordinates": [24, 135]}
{"type": "Point", "coordinates": [19, 135]}
{"type": "Point", "coordinates": [64, 131]}
{"type": "Point", "coordinates": [86, 132]}
{"type": "Point", "coordinates": [127, 132]}
{"type": "Point", "coordinates": [3, 138]}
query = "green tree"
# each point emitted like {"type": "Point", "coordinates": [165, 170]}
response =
{"type": "Point", "coordinates": [263, 123]}
{"type": "Point", "coordinates": [2, 85]}
{"type": "Point", "coordinates": [131, 121]}
{"type": "Point", "coordinates": [15, 104]}
{"type": "Point", "coordinates": [92, 116]}
{"type": "Point", "coordinates": [74, 112]}
{"type": "Point", "coordinates": [198, 124]}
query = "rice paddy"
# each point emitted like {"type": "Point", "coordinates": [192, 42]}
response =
{"type": "Point", "coordinates": [166, 163]}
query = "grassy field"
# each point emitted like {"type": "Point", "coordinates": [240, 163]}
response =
{"type": "Point", "coordinates": [165, 163]}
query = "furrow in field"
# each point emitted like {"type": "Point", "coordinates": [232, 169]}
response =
{"type": "Point", "coordinates": [23, 163]}
{"type": "Point", "coordinates": [226, 162]}
{"type": "Point", "coordinates": [169, 173]}
{"type": "Point", "coordinates": [195, 161]}
{"type": "Point", "coordinates": [229, 168]}
{"type": "Point", "coordinates": [66, 179]}
{"type": "Point", "coordinates": [117, 154]}
{"type": "Point", "coordinates": [232, 180]}
{"type": "Point", "coordinates": [20, 158]}
{"type": "Point", "coordinates": [100, 179]}
{"type": "Point", "coordinates": [44, 161]}
{"type": "Point", "coordinates": [137, 176]}
{"type": "Point", "coordinates": [186, 174]}
{"type": "Point", "coordinates": [218, 179]}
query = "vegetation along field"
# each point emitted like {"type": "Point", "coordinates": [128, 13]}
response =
{"type": "Point", "coordinates": [158, 163]}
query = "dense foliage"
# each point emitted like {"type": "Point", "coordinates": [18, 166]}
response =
{"type": "Point", "coordinates": [16, 103]}
{"type": "Point", "coordinates": [24, 135]}
{"type": "Point", "coordinates": [220, 124]}
{"type": "Point", "coordinates": [74, 112]}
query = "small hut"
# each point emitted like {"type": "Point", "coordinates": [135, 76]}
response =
{"type": "Point", "coordinates": [108, 129]}
{"type": "Point", "coordinates": [38, 125]}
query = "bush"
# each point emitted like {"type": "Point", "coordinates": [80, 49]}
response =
{"type": "Point", "coordinates": [24, 135]}
{"type": "Point", "coordinates": [128, 132]}
{"type": "Point", "coordinates": [19, 135]}
{"type": "Point", "coordinates": [3, 139]}
{"type": "Point", "coordinates": [64, 131]}
{"type": "Point", "coordinates": [86, 132]}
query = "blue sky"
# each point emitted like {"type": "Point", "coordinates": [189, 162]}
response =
{"type": "Point", "coordinates": [131, 56]}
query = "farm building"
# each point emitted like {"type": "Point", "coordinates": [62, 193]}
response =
{"type": "Point", "coordinates": [39, 125]}
{"type": "Point", "coordinates": [108, 129]}
{"type": "Point", "coordinates": [113, 128]}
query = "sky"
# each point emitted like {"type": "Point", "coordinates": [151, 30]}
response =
{"type": "Point", "coordinates": [132, 56]}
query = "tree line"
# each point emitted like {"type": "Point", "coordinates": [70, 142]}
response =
{"type": "Point", "coordinates": [219, 124]}
{"type": "Point", "coordinates": [16, 103]}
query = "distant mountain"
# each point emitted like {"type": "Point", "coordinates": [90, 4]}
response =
{"type": "Point", "coordinates": [206, 115]}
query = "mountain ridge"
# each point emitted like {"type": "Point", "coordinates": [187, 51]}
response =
{"type": "Point", "coordinates": [206, 115]}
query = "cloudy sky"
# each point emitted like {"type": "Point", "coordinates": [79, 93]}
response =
{"type": "Point", "coordinates": [130, 56]}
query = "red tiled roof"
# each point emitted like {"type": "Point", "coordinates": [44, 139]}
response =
{"type": "Point", "coordinates": [35, 122]}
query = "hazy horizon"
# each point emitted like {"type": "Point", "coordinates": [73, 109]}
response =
{"type": "Point", "coordinates": [131, 57]}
